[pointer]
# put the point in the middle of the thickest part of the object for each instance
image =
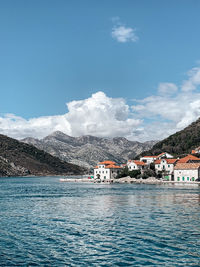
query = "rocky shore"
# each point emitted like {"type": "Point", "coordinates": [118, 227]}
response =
{"type": "Point", "coordinates": [129, 180]}
{"type": "Point", "coordinates": [150, 180]}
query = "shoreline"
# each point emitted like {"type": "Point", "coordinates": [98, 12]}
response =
{"type": "Point", "coordinates": [129, 180]}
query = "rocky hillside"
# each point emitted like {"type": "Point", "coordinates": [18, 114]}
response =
{"type": "Point", "coordinates": [88, 150]}
{"type": "Point", "coordinates": [17, 158]}
{"type": "Point", "coordinates": [180, 143]}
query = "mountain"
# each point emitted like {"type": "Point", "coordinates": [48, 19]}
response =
{"type": "Point", "coordinates": [180, 143]}
{"type": "Point", "coordinates": [17, 158]}
{"type": "Point", "coordinates": [88, 150]}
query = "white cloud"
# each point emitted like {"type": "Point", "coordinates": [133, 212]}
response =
{"type": "Point", "coordinates": [98, 115]}
{"type": "Point", "coordinates": [123, 34]}
{"type": "Point", "coordinates": [167, 88]}
{"type": "Point", "coordinates": [193, 81]}
{"type": "Point", "coordinates": [151, 118]}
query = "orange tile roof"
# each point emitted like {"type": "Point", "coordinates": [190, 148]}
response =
{"type": "Point", "coordinates": [106, 162]}
{"type": "Point", "coordinates": [138, 162]}
{"type": "Point", "coordinates": [188, 158]}
{"type": "Point", "coordinates": [194, 152]}
{"type": "Point", "coordinates": [169, 161]}
{"type": "Point", "coordinates": [96, 167]}
{"type": "Point", "coordinates": [113, 167]}
{"type": "Point", "coordinates": [187, 166]}
{"type": "Point", "coordinates": [158, 161]}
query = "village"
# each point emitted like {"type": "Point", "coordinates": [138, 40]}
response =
{"type": "Point", "coordinates": [165, 167]}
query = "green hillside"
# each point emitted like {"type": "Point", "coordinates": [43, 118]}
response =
{"type": "Point", "coordinates": [180, 143]}
{"type": "Point", "coordinates": [17, 158]}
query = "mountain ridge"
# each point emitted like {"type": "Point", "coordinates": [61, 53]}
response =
{"type": "Point", "coordinates": [20, 159]}
{"type": "Point", "coordinates": [87, 150]}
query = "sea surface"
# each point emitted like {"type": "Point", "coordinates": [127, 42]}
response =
{"type": "Point", "coordinates": [45, 222]}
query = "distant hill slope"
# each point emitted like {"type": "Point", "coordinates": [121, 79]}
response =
{"type": "Point", "coordinates": [179, 143]}
{"type": "Point", "coordinates": [17, 158]}
{"type": "Point", "coordinates": [88, 150]}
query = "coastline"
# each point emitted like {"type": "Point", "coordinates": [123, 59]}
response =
{"type": "Point", "coordinates": [129, 180]}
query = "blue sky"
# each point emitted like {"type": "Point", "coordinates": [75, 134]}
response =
{"type": "Point", "coordinates": [56, 52]}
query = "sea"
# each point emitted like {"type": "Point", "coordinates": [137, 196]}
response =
{"type": "Point", "coordinates": [45, 222]}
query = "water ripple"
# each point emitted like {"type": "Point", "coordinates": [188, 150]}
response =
{"type": "Point", "coordinates": [48, 223]}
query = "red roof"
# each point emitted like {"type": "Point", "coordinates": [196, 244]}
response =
{"type": "Point", "coordinates": [107, 162]}
{"type": "Point", "coordinates": [188, 158]}
{"type": "Point", "coordinates": [138, 162]}
{"type": "Point", "coordinates": [187, 166]}
{"type": "Point", "coordinates": [112, 167]}
{"type": "Point", "coordinates": [169, 161]}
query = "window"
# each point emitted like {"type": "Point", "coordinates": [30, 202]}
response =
{"type": "Point", "coordinates": [102, 171]}
{"type": "Point", "coordinates": [188, 178]}
{"type": "Point", "coordinates": [163, 167]}
{"type": "Point", "coordinates": [178, 178]}
{"type": "Point", "coordinates": [192, 179]}
{"type": "Point", "coordinates": [183, 178]}
{"type": "Point", "coordinates": [168, 166]}
{"type": "Point", "coordinates": [158, 166]}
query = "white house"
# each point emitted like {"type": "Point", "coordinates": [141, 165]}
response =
{"type": "Point", "coordinates": [151, 159]}
{"type": "Point", "coordinates": [135, 165]}
{"type": "Point", "coordinates": [187, 172]}
{"type": "Point", "coordinates": [196, 150]}
{"type": "Point", "coordinates": [166, 167]}
{"type": "Point", "coordinates": [148, 159]}
{"type": "Point", "coordinates": [165, 155]}
{"type": "Point", "coordinates": [106, 170]}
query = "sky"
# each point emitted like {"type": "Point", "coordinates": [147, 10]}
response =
{"type": "Point", "coordinates": [107, 68]}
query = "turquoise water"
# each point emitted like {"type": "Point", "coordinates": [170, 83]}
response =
{"type": "Point", "coordinates": [44, 222]}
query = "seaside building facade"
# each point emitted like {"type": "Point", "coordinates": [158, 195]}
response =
{"type": "Point", "coordinates": [106, 170]}
{"type": "Point", "coordinates": [187, 172]}
{"type": "Point", "coordinates": [166, 168]}
{"type": "Point", "coordinates": [151, 159]}
{"type": "Point", "coordinates": [135, 165]}
{"type": "Point", "coordinates": [196, 150]}
{"type": "Point", "coordinates": [148, 159]}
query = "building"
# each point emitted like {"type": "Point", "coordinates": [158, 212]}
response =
{"type": "Point", "coordinates": [165, 155]}
{"type": "Point", "coordinates": [135, 165]}
{"type": "Point", "coordinates": [189, 159]}
{"type": "Point", "coordinates": [106, 170]}
{"type": "Point", "coordinates": [148, 159]}
{"type": "Point", "coordinates": [196, 150]}
{"type": "Point", "coordinates": [187, 172]}
{"type": "Point", "coordinates": [152, 159]}
{"type": "Point", "coordinates": [166, 168]}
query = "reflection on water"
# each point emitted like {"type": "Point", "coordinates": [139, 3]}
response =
{"type": "Point", "coordinates": [45, 222]}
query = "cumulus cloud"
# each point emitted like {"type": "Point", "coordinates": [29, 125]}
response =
{"type": "Point", "coordinates": [151, 118]}
{"type": "Point", "coordinates": [122, 33]}
{"type": "Point", "coordinates": [172, 109]}
{"type": "Point", "coordinates": [98, 115]}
